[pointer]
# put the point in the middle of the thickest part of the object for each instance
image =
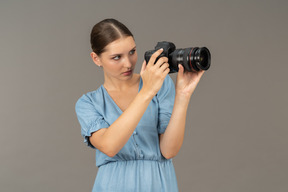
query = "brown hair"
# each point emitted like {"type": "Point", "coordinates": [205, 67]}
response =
{"type": "Point", "coordinates": [105, 32]}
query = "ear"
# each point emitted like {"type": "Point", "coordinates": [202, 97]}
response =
{"type": "Point", "coordinates": [95, 58]}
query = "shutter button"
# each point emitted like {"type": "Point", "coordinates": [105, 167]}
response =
{"type": "Point", "coordinates": [134, 133]}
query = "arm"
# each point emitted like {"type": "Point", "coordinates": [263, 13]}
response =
{"type": "Point", "coordinates": [112, 139]}
{"type": "Point", "coordinates": [172, 139]}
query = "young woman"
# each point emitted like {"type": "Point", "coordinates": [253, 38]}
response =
{"type": "Point", "coordinates": [136, 122]}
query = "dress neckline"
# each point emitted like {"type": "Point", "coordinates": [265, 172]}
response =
{"type": "Point", "coordinates": [114, 103]}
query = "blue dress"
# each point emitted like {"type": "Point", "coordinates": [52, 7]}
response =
{"type": "Point", "coordinates": [139, 166]}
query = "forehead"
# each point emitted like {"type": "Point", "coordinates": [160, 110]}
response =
{"type": "Point", "coordinates": [123, 44]}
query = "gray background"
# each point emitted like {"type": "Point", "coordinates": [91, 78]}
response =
{"type": "Point", "coordinates": [236, 134]}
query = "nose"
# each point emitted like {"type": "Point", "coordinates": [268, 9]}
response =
{"type": "Point", "coordinates": [128, 63]}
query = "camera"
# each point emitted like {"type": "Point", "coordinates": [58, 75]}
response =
{"type": "Point", "coordinates": [192, 58]}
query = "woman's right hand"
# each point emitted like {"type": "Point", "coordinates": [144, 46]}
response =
{"type": "Point", "coordinates": [153, 75]}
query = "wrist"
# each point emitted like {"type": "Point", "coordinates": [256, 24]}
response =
{"type": "Point", "coordinates": [182, 99]}
{"type": "Point", "coordinates": [145, 95]}
{"type": "Point", "coordinates": [183, 96]}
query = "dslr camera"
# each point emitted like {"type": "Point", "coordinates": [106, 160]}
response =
{"type": "Point", "coordinates": [192, 58]}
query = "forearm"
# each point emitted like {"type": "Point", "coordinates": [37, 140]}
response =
{"type": "Point", "coordinates": [117, 135]}
{"type": "Point", "coordinates": [173, 137]}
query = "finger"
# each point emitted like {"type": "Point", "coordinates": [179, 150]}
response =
{"type": "Point", "coordinates": [167, 70]}
{"type": "Point", "coordinates": [180, 71]}
{"type": "Point", "coordinates": [143, 67]}
{"type": "Point", "coordinates": [154, 57]}
{"type": "Point", "coordinates": [161, 61]}
{"type": "Point", "coordinates": [164, 66]}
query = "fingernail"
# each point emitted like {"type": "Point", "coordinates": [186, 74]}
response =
{"type": "Point", "coordinates": [161, 49]}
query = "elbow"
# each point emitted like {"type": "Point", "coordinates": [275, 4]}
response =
{"type": "Point", "coordinates": [106, 149]}
{"type": "Point", "coordinates": [168, 155]}
{"type": "Point", "coordinates": [110, 154]}
{"type": "Point", "coordinates": [105, 146]}
{"type": "Point", "coordinates": [109, 150]}
{"type": "Point", "coordinates": [167, 152]}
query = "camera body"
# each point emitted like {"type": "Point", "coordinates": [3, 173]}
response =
{"type": "Point", "coordinates": [192, 59]}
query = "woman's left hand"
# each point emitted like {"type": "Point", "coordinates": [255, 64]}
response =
{"type": "Point", "coordinates": [187, 81]}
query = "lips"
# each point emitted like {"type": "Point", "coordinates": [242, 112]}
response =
{"type": "Point", "coordinates": [128, 71]}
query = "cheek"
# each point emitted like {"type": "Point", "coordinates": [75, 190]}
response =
{"type": "Point", "coordinates": [116, 66]}
{"type": "Point", "coordinates": [112, 65]}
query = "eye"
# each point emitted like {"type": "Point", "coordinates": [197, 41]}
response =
{"type": "Point", "coordinates": [116, 57]}
{"type": "Point", "coordinates": [132, 52]}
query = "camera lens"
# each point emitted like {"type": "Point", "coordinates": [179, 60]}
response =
{"type": "Point", "coordinates": [202, 58]}
{"type": "Point", "coordinates": [192, 59]}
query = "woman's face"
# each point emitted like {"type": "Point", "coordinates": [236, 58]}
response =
{"type": "Point", "coordinates": [119, 57]}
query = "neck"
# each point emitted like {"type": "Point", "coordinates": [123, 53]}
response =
{"type": "Point", "coordinates": [113, 84]}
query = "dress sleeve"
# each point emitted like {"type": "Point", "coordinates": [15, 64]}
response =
{"type": "Point", "coordinates": [89, 118]}
{"type": "Point", "coordinates": [165, 97]}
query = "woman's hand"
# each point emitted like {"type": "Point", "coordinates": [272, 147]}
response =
{"type": "Point", "coordinates": [153, 75]}
{"type": "Point", "coordinates": [187, 81]}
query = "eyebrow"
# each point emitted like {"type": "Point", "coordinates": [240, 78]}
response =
{"type": "Point", "coordinates": [120, 53]}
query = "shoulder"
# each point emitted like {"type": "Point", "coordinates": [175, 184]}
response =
{"type": "Point", "coordinates": [168, 79]}
{"type": "Point", "coordinates": [168, 83]}
{"type": "Point", "coordinates": [91, 98]}
{"type": "Point", "coordinates": [167, 89]}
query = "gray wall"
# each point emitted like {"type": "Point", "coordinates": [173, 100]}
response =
{"type": "Point", "coordinates": [236, 133]}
